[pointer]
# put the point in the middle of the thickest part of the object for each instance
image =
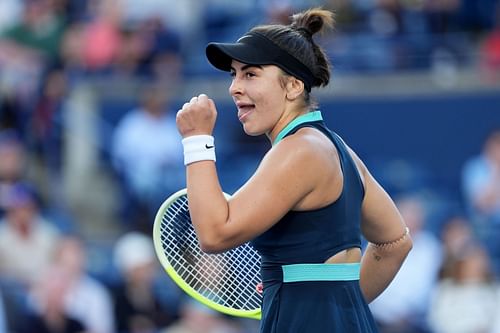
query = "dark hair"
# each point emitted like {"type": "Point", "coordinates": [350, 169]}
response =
{"type": "Point", "coordinates": [297, 39]}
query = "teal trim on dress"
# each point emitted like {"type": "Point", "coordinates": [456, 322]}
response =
{"type": "Point", "coordinates": [321, 272]}
{"type": "Point", "coordinates": [305, 118]}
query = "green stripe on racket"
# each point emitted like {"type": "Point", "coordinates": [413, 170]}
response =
{"type": "Point", "coordinates": [226, 282]}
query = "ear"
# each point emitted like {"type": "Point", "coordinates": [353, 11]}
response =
{"type": "Point", "coordinates": [294, 88]}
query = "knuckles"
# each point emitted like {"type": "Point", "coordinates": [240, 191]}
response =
{"type": "Point", "coordinates": [197, 104]}
{"type": "Point", "coordinates": [196, 115]}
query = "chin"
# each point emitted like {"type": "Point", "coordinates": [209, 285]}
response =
{"type": "Point", "coordinates": [251, 132]}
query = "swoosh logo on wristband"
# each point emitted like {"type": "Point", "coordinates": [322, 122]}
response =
{"type": "Point", "coordinates": [208, 147]}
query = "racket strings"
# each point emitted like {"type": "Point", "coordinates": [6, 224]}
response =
{"type": "Point", "coordinates": [228, 278]}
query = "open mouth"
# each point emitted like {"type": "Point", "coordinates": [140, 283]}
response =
{"type": "Point", "coordinates": [244, 111]}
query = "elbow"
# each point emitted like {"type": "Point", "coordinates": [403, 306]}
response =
{"type": "Point", "coordinates": [403, 249]}
{"type": "Point", "coordinates": [407, 242]}
{"type": "Point", "coordinates": [216, 239]}
{"type": "Point", "coordinates": [211, 244]}
{"type": "Point", "coordinates": [210, 248]}
{"type": "Point", "coordinates": [408, 246]}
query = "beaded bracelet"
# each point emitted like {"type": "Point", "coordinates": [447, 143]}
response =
{"type": "Point", "coordinates": [394, 242]}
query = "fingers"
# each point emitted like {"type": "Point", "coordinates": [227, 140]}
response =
{"type": "Point", "coordinates": [197, 116]}
{"type": "Point", "coordinates": [200, 100]}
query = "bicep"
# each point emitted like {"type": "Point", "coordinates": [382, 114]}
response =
{"type": "Point", "coordinates": [281, 180]}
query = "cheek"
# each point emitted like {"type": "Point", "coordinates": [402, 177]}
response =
{"type": "Point", "coordinates": [271, 97]}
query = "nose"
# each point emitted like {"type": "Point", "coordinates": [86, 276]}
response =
{"type": "Point", "coordinates": [235, 87]}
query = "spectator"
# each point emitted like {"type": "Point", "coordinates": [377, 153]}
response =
{"type": "Point", "coordinates": [467, 300]}
{"type": "Point", "coordinates": [197, 318]}
{"type": "Point", "coordinates": [162, 54]}
{"type": "Point", "coordinates": [27, 48]}
{"type": "Point", "coordinates": [3, 315]}
{"type": "Point", "coordinates": [48, 313]}
{"type": "Point", "coordinates": [86, 299]}
{"type": "Point", "coordinates": [482, 180]}
{"type": "Point", "coordinates": [27, 240]}
{"type": "Point", "coordinates": [10, 12]}
{"type": "Point", "coordinates": [12, 164]}
{"type": "Point", "coordinates": [456, 234]}
{"type": "Point", "coordinates": [138, 305]}
{"type": "Point", "coordinates": [402, 307]}
{"type": "Point", "coordinates": [481, 185]}
{"type": "Point", "coordinates": [13, 301]}
{"type": "Point", "coordinates": [147, 155]}
{"type": "Point", "coordinates": [46, 120]}
{"type": "Point", "coordinates": [441, 16]}
{"type": "Point", "coordinates": [46, 137]}
{"type": "Point", "coordinates": [101, 38]}
{"type": "Point", "coordinates": [277, 11]}
{"type": "Point", "coordinates": [490, 52]}
{"type": "Point", "coordinates": [40, 29]}
{"type": "Point", "coordinates": [182, 16]}
{"type": "Point", "coordinates": [20, 73]}
{"type": "Point", "coordinates": [490, 56]}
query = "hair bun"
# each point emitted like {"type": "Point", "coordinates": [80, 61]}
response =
{"type": "Point", "coordinates": [312, 21]}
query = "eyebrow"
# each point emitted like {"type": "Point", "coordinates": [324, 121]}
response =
{"type": "Point", "coordinates": [247, 67]}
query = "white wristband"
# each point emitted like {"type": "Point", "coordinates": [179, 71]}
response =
{"type": "Point", "coordinates": [198, 148]}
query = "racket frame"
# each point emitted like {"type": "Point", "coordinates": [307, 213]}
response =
{"type": "Point", "coordinates": [252, 314]}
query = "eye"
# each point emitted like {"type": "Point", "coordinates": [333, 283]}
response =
{"type": "Point", "coordinates": [250, 74]}
{"type": "Point", "coordinates": [232, 74]}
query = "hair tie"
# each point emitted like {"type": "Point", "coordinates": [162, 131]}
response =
{"type": "Point", "coordinates": [305, 32]}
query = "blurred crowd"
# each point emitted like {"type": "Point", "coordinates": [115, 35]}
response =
{"type": "Point", "coordinates": [450, 283]}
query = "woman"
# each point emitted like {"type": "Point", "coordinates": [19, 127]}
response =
{"type": "Point", "coordinates": [310, 199]}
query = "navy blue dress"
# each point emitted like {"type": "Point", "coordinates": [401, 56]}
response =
{"type": "Point", "coordinates": [309, 305]}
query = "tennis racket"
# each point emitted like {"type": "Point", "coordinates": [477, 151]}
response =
{"type": "Point", "coordinates": [226, 282]}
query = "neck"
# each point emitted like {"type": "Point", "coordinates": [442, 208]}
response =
{"type": "Point", "coordinates": [304, 118]}
{"type": "Point", "coordinates": [287, 117]}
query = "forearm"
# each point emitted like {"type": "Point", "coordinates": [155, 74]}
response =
{"type": "Point", "coordinates": [208, 206]}
{"type": "Point", "coordinates": [380, 264]}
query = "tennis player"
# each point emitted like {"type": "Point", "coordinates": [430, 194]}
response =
{"type": "Point", "coordinates": [311, 198]}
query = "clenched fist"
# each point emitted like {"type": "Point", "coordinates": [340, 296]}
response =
{"type": "Point", "coordinates": [197, 117]}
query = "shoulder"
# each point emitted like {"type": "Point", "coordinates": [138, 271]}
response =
{"type": "Point", "coordinates": [89, 287]}
{"type": "Point", "coordinates": [47, 229]}
{"type": "Point", "coordinates": [307, 144]}
{"type": "Point", "coordinates": [131, 117]}
{"type": "Point", "coordinates": [475, 165]}
{"type": "Point", "coordinates": [306, 156]}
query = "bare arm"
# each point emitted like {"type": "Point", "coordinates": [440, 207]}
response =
{"type": "Point", "coordinates": [286, 175]}
{"type": "Point", "coordinates": [280, 183]}
{"type": "Point", "coordinates": [388, 237]}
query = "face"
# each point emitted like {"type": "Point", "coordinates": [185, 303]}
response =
{"type": "Point", "coordinates": [493, 148]}
{"type": "Point", "coordinates": [259, 95]}
{"type": "Point", "coordinates": [22, 217]}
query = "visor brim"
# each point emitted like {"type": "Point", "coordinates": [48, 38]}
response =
{"type": "Point", "coordinates": [220, 55]}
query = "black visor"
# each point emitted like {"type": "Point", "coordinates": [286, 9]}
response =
{"type": "Point", "coordinates": [256, 49]}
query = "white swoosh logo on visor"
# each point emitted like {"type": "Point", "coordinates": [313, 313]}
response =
{"type": "Point", "coordinates": [241, 38]}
